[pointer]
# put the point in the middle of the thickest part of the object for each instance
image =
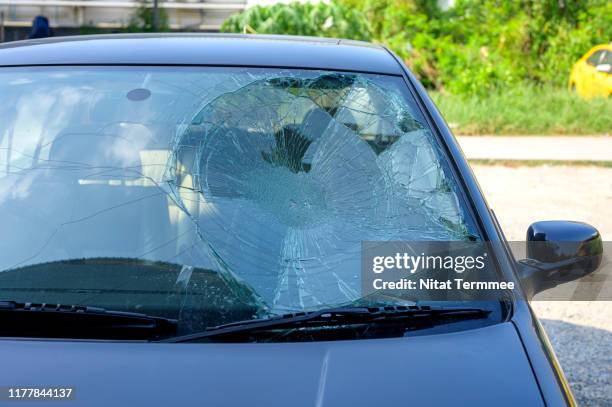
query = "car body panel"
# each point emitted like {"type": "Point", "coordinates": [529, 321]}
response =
{"type": "Point", "coordinates": [485, 366]}
{"type": "Point", "coordinates": [200, 49]}
{"type": "Point", "coordinates": [586, 80]}
{"type": "Point", "coordinates": [504, 364]}
{"type": "Point", "coordinates": [551, 380]}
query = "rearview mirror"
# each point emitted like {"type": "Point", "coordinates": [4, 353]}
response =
{"type": "Point", "coordinates": [607, 68]}
{"type": "Point", "coordinates": [558, 252]}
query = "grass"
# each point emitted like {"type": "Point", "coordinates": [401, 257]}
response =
{"type": "Point", "coordinates": [523, 110]}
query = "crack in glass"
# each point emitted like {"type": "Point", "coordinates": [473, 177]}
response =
{"type": "Point", "coordinates": [319, 164]}
{"type": "Point", "coordinates": [269, 179]}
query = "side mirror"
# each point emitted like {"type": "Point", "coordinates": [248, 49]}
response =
{"type": "Point", "coordinates": [606, 68]}
{"type": "Point", "coordinates": [558, 252]}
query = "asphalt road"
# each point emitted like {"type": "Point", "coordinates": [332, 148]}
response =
{"type": "Point", "coordinates": [581, 332]}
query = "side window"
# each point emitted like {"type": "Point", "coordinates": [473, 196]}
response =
{"type": "Point", "coordinates": [595, 58]}
{"type": "Point", "coordinates": [607, 59]}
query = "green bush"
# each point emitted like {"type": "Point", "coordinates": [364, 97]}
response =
{"type": "Point", "coordinates": [322, 20]}
{"type": "Point", "coordinates": [478, 46]}
{"type": "Point", "coordinates": [475, 47]}
{"type": "Point", "coordinates": [142, 20]}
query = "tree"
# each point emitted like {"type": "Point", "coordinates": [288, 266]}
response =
{"type": "Point", "coordinates": [143, 19]}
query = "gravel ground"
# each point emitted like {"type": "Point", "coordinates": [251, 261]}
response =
{"type": "Point", "coordinates": [581, 332]}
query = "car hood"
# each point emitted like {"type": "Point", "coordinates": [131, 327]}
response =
{"type": "Point", "coordinates": [479, 367]}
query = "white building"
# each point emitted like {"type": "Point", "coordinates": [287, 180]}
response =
{"type": "Point", "coordinates": [68, 16]}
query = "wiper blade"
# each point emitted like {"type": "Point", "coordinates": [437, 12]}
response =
{"type": "Point", "coordinates": [80, 322]}
{"type": "Point", "coordinates": [342, 316]}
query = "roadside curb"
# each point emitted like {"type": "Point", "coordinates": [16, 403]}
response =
{"type": "Point", "coordinates": [538, 148]}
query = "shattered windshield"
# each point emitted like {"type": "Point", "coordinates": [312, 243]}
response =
{"type": "Point", "coordinates": [210, 194]}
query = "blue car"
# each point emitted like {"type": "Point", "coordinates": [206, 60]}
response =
{"type": "Point", "coordinates": [184, 221]}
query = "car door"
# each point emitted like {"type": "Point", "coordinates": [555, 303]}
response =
{"type": "Point", "coordinates": [600, 79]}
{"type": "Point", "coordinates": [588, 87]}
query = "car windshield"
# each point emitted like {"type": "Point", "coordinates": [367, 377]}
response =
{"type": "Point", "coordinates": [211, 194]}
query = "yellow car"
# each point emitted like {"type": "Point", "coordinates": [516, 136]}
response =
{"type": "Point", "coordinates": [592, 75]}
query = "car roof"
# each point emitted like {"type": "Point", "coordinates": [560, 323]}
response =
{"type": "Point", "coordinates": [202, 49]}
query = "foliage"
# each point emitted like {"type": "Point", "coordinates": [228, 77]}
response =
{"type": "Point", "coordinates": [475, 47]}
{"type": "Point", "coordinates": [313, 19]}
{"type": "Point", "coordinates": [90, 30]}
{"type": "Point", "coordinates": [142, 20]}
{"type": "Point", "coordinates": [525, 109]}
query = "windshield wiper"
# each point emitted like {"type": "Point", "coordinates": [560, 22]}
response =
{"type": "Point", "coordinates": [412, 316]}
{"type": "Point", "coordinates": [80, 322]}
